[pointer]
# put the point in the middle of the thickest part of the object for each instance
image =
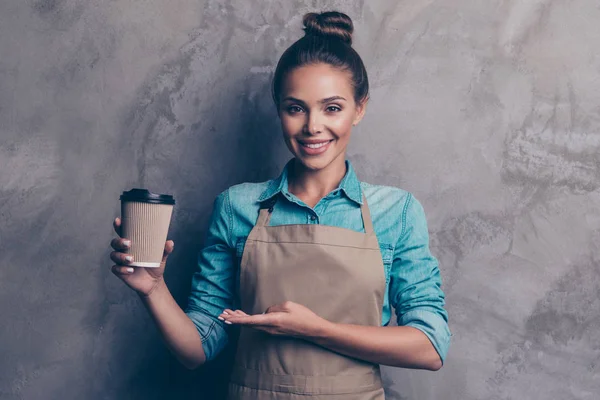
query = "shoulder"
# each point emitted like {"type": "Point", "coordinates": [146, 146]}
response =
{"type": "Point", "coordinates": [240, 201]}
{"type": "Point", "coordinates": [392, 208]}
{"type": "Point", "coordinates": [243, 194]}
{"type": "Point", "coordinates": [246, 192]}
{"type": "Point", "coordinates": [385, 198]}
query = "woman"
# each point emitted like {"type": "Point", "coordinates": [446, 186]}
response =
{"type": "Point", "coordinates": [311, 263]}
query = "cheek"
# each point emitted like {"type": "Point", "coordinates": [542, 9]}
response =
{"type": "Point", "coordinates": [290, 126]}
{"type": "Point", "coordinates": [343, 126]}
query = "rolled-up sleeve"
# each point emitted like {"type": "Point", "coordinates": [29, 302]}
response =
{"type": "Point", "coordinates": [415, 281]}
{"type": "Point", "coordinates": [213, 283]}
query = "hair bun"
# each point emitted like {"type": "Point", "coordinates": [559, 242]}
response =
{"type": "Point", "coordinates": [329, 24]}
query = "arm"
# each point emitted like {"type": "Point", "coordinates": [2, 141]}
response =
{"type": "Point", "coordinates": [194, 336]}
{"type": "Point", "coordinates": [177, 330]}
{"type": "Point", "coordinates": [415, 283]}
{"type": "Point", "coordinates": [213, 284]}
{"type": "Point", "coordinates": [422, 337]}
{"type": "Point", "coordinates": [397, 346]}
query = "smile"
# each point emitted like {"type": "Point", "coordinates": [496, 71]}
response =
{"type": "Point", "coordinates": [315, 145]}
{"type": "Point", "coordinates": [315, 148]}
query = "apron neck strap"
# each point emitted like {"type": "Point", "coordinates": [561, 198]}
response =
{"type": "Point", "coordinates": [366, 216]}
{"type": "Point", "coordinates": [263, 217]}
{"type": "Point", "coordinates": [266, 209]}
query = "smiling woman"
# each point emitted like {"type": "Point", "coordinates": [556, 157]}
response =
{"type": "Point", "coordinates": [309, 264]}
{"type": "Point", "coordinates": [320, 88]}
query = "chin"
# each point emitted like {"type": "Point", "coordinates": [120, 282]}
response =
{"type": "Point", "coordinates": [315, 163]}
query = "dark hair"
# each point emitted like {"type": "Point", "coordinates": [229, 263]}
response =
{"type": "Point", "coordinates": [327, 39]}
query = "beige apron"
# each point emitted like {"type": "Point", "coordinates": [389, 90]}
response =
{"type": "Point", "coordinates": [338, 273]}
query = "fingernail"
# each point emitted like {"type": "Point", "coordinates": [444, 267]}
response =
{"type": "Point", "coordinates": [128, 258]}
{"type": "Point", "coordinates": [130, 270]}
{"type": "Point", "coordinates": [221, 318]}
{"type": "Point", "coordinates": [228, 322]}
{"type": "Point", "coordinates": [126, 243]}
{"type": "Point", "coordinates": [225, 312]}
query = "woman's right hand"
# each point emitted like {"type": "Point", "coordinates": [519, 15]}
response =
{"type": "Point", "coordinates": [141, 279]}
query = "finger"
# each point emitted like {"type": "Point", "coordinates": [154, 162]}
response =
{"type": "Point", "coordinates": [275, 308]}
{"type": "Point", "coordinates": [229, 320]}
{"type": "Point", "coordinates": [169, 245]}
{"type": "Point", "coordinates": [117, 225]}
{"type": "Point", "coordinates": [121, 258]}
{"type": "Point", "coordinates": [120, 244]}
{"type": "Point", "coordinates": [228, 313]}
{"type": "Point", "coordinates": [225, 314]}
{"type": "Point", "coordinates": [120, 270]}
{"type": "Point", "coordinates": [231, 313]}
{"type": "Point", "coordinates": [264, 320]}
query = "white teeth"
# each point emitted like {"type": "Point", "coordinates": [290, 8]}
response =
{"type": "Point", "coordinates": [315, 146]}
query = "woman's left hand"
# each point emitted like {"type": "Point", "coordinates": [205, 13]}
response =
{"type": "Point", "coordinates": [288, 318]}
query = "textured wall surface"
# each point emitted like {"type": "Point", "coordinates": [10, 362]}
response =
{"type": "Point", "coordinates": [488, 111]}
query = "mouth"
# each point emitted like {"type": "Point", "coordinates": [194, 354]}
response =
{"type": "Point", "coordinates": [314, 147]}
{"type": "Point", "coordinates": [315, 144]}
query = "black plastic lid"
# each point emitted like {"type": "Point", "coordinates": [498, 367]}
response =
{"type": "Point", "coordinates": [145, 196]}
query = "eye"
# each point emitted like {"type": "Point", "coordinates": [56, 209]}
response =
{"type": "Point", "coordinates": [334, 108]}
{"type": "Point", "coordinates": [294, 109]}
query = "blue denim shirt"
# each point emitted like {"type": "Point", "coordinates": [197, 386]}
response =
{"type": "Point", "coordinates": [413, 283]}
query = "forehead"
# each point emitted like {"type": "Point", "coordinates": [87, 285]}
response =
{"type": "Point", "coordinates": [315, 82]}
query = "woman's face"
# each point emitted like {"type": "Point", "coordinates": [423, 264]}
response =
{"type": "Point", "coordinates": [317, 112]}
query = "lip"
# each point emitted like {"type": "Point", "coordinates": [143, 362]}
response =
{"type": "Point", "coordinates": [314, 141]}
{"type": "Point", "coordinates": [313, 152]}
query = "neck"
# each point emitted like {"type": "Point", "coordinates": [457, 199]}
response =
{"type": "Point", "coordinates": [306, 183]}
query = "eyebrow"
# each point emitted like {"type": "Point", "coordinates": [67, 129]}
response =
{"type": "Point", "coordinates": [323, 101]}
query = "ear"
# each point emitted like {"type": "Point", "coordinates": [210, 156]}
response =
{"type": "Point", "coordinates": [361, 108]}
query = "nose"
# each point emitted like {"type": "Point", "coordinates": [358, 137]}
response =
{"type": "Point", "coordinates": [314, 124]}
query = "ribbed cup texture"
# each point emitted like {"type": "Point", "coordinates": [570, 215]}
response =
{"type": "Point", "coordinates": [147, 226]}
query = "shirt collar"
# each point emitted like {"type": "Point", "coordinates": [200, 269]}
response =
{"type": "Point", "coordinates": [350, 184]}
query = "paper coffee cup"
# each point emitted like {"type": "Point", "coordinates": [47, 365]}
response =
{"type": "Point", "coordinates": [145, 220]}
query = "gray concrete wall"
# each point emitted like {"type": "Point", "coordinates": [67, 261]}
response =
{"type": "Point", "coordinates": [488, 111]}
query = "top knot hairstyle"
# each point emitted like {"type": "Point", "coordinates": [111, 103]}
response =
{"type": "Point", "coordinates": [328, 40]}
{"type": "Point", "coordinates": [329, 24]}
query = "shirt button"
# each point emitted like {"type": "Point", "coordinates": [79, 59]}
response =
{"type": "Point", "coordinates": [312, 218]}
